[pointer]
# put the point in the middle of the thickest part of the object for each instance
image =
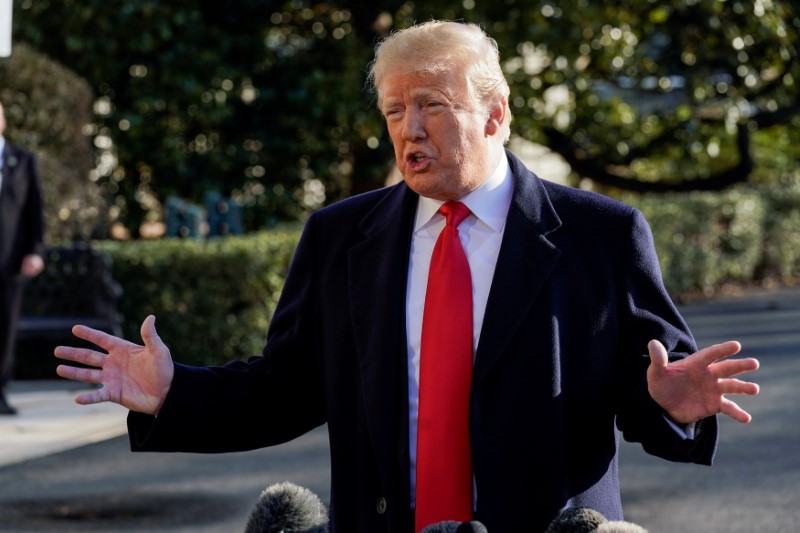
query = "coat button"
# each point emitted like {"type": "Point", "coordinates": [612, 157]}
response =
{"type": "Point", "coordinates": [381, 505]}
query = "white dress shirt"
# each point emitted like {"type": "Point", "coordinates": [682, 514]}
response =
{"type": "Point", "coordinates": [481, 234]}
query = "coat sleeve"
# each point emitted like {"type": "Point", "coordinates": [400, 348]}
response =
{"type": "Point", "coordinates": [649, 313]}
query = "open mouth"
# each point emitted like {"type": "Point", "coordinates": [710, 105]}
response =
{"type": "Point", "coordinates": [417, 160]}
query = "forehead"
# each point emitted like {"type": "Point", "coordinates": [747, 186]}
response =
{"type": "Point", "coordinates": [401, 86]}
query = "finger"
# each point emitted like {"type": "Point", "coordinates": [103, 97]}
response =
{"type": "Point", "coordinates": [149, 334]}
{"type": "Point", "coordinates": [734, 411]}
{"type": "Point", "coordinates": [95, 336]}
{"type": "Point", "coordinates": [80, 355]}
{"type": "Point", "coordinates": [93, 396]}
{"type": "Point", "coordinates": [86, 375]}
{"type": "Point", "coordinates": [715, 352]}
{"type": "Point", "coordinates": [735, 386]}
{"type": "Point", "coordinates": [734, 367]}
{"type": "Point", "coordinates": [658, 354]}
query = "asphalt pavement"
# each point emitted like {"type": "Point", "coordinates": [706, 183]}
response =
{"type": "Point", "coordinates": [65, 467]}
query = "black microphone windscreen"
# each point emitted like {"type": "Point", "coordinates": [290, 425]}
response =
{"type": "Point", "coordinates": [576, 520]}
{"type": "Point", "coordinates": [287, 507]}
{"type": "Point", "coordinates": [448, 526]}
{"type": "Point", "coordinates": [471, 527]}
{"type": "Point", "coordinates": [451, 526]}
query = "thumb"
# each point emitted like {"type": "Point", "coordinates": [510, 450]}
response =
{"type": "Point", "coordinates": [658, 354]}
{"type": "Point", "coordinates": [148, 332]}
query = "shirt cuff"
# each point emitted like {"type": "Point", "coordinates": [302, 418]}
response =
{"type": "Point", "coordinates": [684, 431]}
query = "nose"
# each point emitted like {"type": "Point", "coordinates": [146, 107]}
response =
{"type": "Point", "coordinates": [413, 126]}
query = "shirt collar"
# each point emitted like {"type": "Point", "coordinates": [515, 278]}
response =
{"type": "Point", "coordinates": [489, 202]}
{"type": "Point", "coordinates": [2, 149]}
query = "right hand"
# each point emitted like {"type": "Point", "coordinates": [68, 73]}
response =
{"type": "Point", "coordinates": [136, 377]}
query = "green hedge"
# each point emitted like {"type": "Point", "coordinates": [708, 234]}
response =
{"type": "Point", "coordinates": [212, 299]}
{"type": "Point", "coordinates": [709, 240]}
{"type": "Point", "coordinates": [705, 239]}
{"type": "Point", "coordinates": [781, 251]}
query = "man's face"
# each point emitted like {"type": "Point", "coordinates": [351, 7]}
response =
{"type": "Point", "coordinates": [441, 141]}
{"type": "Point", "coordinates": [2, 120]}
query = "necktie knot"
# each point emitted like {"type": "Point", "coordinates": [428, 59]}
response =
{"type": "Point", "coordinates": [454, 212]}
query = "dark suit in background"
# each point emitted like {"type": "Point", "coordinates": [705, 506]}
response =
{"type": "Point", "coordinates": [21, 234]}
{"type": "Point", "coordinates": [576, 296]}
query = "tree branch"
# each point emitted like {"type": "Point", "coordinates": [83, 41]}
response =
{"type": "Point", "coordinates": [594, 170]}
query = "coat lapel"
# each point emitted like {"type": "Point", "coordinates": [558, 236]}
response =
{"type": "Point", "coordinates": [378, 275]}
{"type": "Point", "coordinates": [525, 261]}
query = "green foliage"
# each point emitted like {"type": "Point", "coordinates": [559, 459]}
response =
{"type": "Point", "coordinates": [782, 231]}
{"type": "Point", "coordinates": [258, 101]}
{"type": "Point", "coordinates": [777, 154]}
{"type": "Point", "coordinates": [266, 102]}
{"type": "Point", "coordinates": [47, 108]}
{"type": "Point", "coordinates": [747, 235]}
{"type": "Point", "coordinates": [665, 92]}
{"type": "Point", "coordinates": [213, 300]}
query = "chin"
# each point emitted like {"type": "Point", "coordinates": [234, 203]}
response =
{"type": "Point", "coordinates": [428, 192]}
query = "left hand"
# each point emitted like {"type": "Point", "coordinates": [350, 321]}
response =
{"type": "Point", "coordinates": [134, 376]}
{"type": "Point", "coordinates": [32, 265]}
{"type": "Point", "coordinates": [694, 388]}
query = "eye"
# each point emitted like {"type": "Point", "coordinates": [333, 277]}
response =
{"type": "Point", "coordinates": [392, 112]}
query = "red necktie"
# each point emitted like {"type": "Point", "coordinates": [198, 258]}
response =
{"type": "Point", "coordinates": [444, 465]}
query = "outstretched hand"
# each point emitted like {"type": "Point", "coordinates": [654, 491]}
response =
{"type": "Point", "coordinates": [134, 376]}
{"type": "Point", "coordinates": [696, 387]}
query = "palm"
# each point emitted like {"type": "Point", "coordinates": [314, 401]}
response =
{"type": "Point", "coordinates": [137, 377]}
{"type": "Point", "coordinates": [132, 377]}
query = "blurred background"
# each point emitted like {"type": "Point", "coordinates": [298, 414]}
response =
{"type": "Point", "coordinates": [188, 140]}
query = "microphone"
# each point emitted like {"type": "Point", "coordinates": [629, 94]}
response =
{"type": "Point", "coordinates": [576, 520]}
{"type": "Point", "coordinates": [452, 526]}
{"type": "Point", "coordinates": [448, 526]}
{"type": "Point", "coordinates": [471, 527]}
{"type": "Point", "coordinates": [586, 520]}
{"type": "Point", "coordinates": [619, 526]}
{"type": "Point", "coordinates": [286, 507]}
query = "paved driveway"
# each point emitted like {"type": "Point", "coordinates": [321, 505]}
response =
{"type": "Point", "coordinates": [754, 485]}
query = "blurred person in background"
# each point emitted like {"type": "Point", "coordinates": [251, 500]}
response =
{"type": "Point", "coordinates": [21, 245]}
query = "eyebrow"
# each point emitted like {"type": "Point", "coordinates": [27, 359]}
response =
{"type": "Point", "coordinates": [424, 92]}
{"type": "Point", "coordinates": [417, 94]}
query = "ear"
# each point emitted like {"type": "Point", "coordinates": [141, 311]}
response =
{"type": "Point", "coordinates": [498, 114]}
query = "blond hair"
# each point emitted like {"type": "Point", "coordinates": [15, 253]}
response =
{"type": "Point", "coordinates": [438, 46]}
